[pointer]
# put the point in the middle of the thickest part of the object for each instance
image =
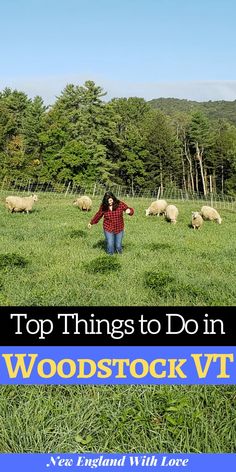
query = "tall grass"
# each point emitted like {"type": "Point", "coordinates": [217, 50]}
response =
{"type": "Point", "coordinates": [50, 257]}
{"type": "Point", "coordinates": [117, 419]}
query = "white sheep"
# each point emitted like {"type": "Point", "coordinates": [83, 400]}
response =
{"type": "Point", "coordinates": [84, 203]}
{"type": "Point", "coordinates": [209, 213]}
{"type": "Point", "coordinates": [171, 213]}
{"type": "Point", "coordinates": [197, 220]}
{"type": "Point", "coordinates": [156, 208]}
{"type": "Point", "coordinates": [20, 204]}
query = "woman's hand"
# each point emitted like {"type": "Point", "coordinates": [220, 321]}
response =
{"type": "Point", "coordinates": [89, 226]}
{"type": "Point", "coordinates": [127, 211]}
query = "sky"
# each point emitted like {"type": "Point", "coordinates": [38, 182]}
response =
{"type": "Point", "coordinates": [145, 48]}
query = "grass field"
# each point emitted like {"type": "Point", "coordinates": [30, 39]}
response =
{"type": "Point", "coordinates": [118, 419]}
{"type": "Point", "coordinates": [50, 257]}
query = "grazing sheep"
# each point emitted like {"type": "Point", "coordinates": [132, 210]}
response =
{"type": "Point", "coordinates": [84, 203]}
{"type": "Point", "coordinates": [171, 213]}
{"type": "Point", "coordinates": [209, 213]}
{"type": "Point", "coordinates": [20, 204]}
{"type": "Point", "coordinates": [156, 208]}
{"type": "Point", "coordinates": [197, 220]}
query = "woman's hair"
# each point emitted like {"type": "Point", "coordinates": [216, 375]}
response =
{"type": "Point", "coordinates": [105, 204]}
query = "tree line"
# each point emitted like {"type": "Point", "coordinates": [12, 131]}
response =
{"type": "Point", "coordinates": [84, 139]}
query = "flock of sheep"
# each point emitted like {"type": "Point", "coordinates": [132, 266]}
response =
{"type": "Point", "coordinates": [158, 207]}
{"type": "Point", "coordinates": [171, 212]}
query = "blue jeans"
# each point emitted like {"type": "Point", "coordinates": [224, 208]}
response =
{"type": "Point", "coordinates": [114, 242]}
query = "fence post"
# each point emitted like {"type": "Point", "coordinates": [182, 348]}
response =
{"type": "Point", "coordinates": [72, 189]}
{"type": "Point", "coordinates": [67, 190]}
{"type": "Point", "coordinates": [94, 189]}
{"type": "Point", "coordinates": [3, 182]}
{"type": "Point", "coordinates": [29, 185]}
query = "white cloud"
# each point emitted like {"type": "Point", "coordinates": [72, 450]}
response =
{"type": "Point", "coordinates": [50, 87]}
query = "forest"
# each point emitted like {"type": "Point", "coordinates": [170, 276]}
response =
{"type": "Point", "coordinates": [84, 138]}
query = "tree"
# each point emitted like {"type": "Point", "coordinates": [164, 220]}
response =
{"type": "Point", "coordinates": [224, 163]}
{"type": "Point", "coordinates": [180, 122]}
{"type": "Point", "coordinates": [13, 107]}
{"type": "Point", "coordinates": [163, 166]}
{"type": "Point", "coordinates": [201, 139]}
{"type": "Point", "coordinates": [131, 152]}
{"type": "Point", "coordinates": [80, 130]}
{"type": "Point", "coordinates": [32, 126]}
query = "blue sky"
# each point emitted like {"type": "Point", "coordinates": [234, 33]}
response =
{"type": "Point", "coordinates": [146, 48]}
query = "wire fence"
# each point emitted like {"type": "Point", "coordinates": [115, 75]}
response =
{"type": "Point", "coordinates": [97, 189]}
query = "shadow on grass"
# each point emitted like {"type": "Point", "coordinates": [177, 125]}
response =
{"type": "Point", "coordinates": [101, 244]}
{"type": "Point", "coordinates": [164, 284]}
{"type": "Point", "coordinates": [19, 237]}
{"type": "Point", "coordinates": [77, 233]}
{"type": "Point", "coordinates": [12, 260]}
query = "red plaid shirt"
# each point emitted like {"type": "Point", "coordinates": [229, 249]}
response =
{"type": "Point", "coordinates": [113, 219]}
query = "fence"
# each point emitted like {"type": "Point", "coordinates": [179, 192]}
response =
{"type": "Point", "coordinates": [97, 189]}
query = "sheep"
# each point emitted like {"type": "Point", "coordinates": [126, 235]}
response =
{"type": "Point", "coordinates": [20, 204]}
{"type": "Point", "coordinates": [197, 220]}
{"type": "Point", "coordinates": [209, 213]}
{"type": "Point", "coordinates": [171, 213]}
{"type": "Point", "coordinates": [156, 208]}
{"type": "Point", "coordinates": [84, 203]}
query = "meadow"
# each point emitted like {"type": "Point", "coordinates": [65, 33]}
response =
{"type": "Point", "coordinates": [50, 257]}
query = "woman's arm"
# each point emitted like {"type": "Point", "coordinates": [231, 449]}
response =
{"type": "Point", "coordinates": [97, 216]}
{"type": "Point", "coordinates": [126, 207]}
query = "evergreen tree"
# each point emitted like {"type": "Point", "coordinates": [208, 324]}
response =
{"type": "Point", "coordinates": [32, 125]}
{"type": "Point", "coordinates": [163, 165]}
{"type": "Point", "coordinates": [80, 135]}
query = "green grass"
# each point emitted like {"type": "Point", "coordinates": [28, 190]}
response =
{"type": "Point", "coordinates": [50, 257]}
{"type": "Point", "coordinates": [118, 419]}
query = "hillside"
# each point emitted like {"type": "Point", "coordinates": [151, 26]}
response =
{"type": "Point", "coordinates": [214, 109]}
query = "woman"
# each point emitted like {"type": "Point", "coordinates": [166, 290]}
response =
{"type": "Point", "coordinates": [113, 223]}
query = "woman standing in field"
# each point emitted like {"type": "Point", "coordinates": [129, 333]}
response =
{"type": "Point", "coordinates": [112, 210]}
